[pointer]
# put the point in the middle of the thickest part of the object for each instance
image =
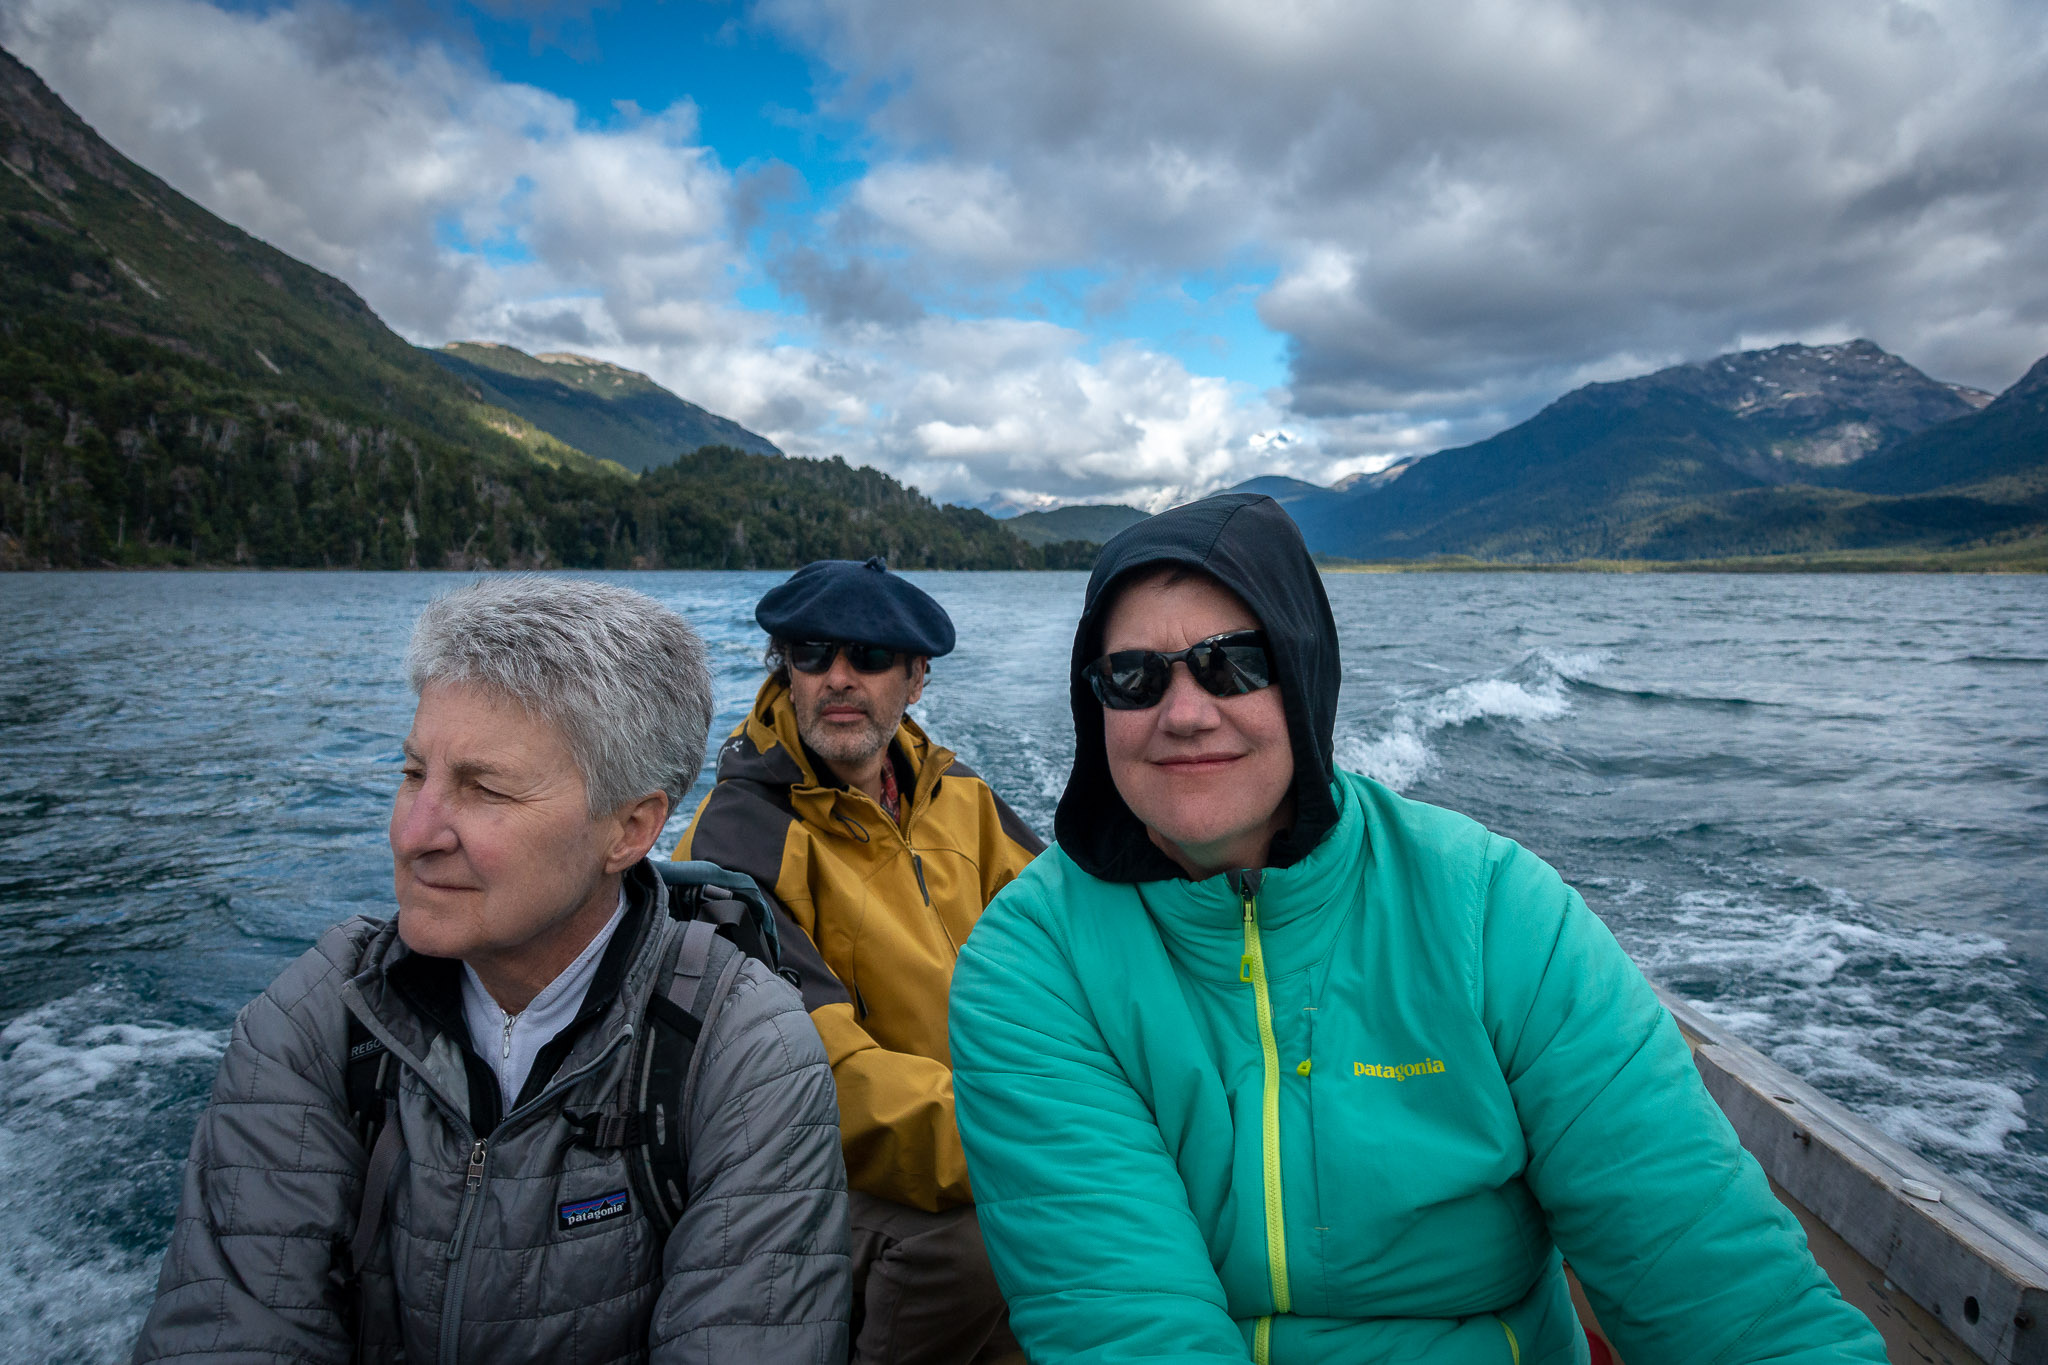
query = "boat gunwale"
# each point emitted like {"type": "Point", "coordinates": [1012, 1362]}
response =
{"type": "Point", "coordinates": [1852, 1179]}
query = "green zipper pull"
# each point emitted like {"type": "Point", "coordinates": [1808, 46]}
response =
{"type": "Point", "coordinates": [1251, 928]}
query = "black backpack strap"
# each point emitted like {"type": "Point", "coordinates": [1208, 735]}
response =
{"type": "Point", "coordinates": [370, 1084]}
{"type": "Point", "coordinates": [369, 1078]}
{"type": "Point", "coordinates": [376, 1191]}
{"type": "Point", "coordinates": [685, 1005]}
{"type": "Point", "coordinates": [722, 919]}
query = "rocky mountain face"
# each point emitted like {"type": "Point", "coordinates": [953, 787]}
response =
{"type": "Point", "coordinates": [2006, 444]}
{"type": "Point", "coordinates": [603, 409]}
{"type": "Point", "coordinates": [1792, 449]}
{"type": "Point", "coordinates": [1810, 410]}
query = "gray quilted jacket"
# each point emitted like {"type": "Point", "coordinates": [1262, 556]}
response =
{"type": "Point", "coordinates": [756, 1271]}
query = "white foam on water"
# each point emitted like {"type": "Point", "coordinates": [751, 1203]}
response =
{"type": "Point", "coordinates": [1842, 1002]}
{"type": "Point", "coordinates": [1397, 759]}
{"type": "Point", "coordinates": [1576, 665]}
{"type": "Point", "coordinates": [78, 1097]}
{"type": "Point", "coordinates": [1533, 691]}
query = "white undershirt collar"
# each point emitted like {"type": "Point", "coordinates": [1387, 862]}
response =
{"type": "Point", "coordinates": [508, 1043]}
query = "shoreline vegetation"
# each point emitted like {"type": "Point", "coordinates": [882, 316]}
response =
{"type": "Point", "coordinates": [2022, 557]}
{"type": "Point", "coordinates": [2029, 556]}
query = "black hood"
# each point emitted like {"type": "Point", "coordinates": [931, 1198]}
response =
{"type": "Point", "coordinates": [1248, 543]}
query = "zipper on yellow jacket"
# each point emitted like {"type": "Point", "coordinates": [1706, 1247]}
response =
{"type": "Point", "coordinates": [1253, 969]}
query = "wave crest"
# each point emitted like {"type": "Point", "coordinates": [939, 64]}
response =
{"type": "Point", "coordinates": [1534, 690]}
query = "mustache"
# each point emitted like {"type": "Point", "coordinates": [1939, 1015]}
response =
{"type": "Point", "coordinates": [851, 700]}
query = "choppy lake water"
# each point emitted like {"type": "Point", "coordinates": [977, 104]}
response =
{"type": "Point", "coordinates": [1816, 806]}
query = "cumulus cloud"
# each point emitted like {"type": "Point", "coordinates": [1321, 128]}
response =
{"type": "Point", "coordinates": [461, 205]}
{"type": "Point", "coordinates": [1471, 203]}
{"type": "Point", "coordinates": [1004, 409]}
{"type": "Point", "coordinates": [1451, 212]}
{"type": "Point", "coordinates": [441, 194]}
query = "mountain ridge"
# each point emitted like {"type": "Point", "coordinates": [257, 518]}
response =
{"type": "Point", "coordinates": [1088, 523]}
{"type": "Point", "coordinates": [1761, 452]}
{"type": "Point", "coordinates": [1790, 450]}
{"type": "Point", "coordinates": [599, 407]}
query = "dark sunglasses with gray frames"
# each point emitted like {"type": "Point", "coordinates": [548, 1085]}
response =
{"type": "Point", "coordinates": [815, 656]}
{"type": "Point", "coordinates": [1226, 665]}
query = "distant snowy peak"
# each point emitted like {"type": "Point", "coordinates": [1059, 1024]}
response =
{"type": "Point", "coordinates": [1802, 407]}
{"type": "Point", "coordinates": [1799, 380]}
{"type": "Point", "coordinates": [1368, 480]}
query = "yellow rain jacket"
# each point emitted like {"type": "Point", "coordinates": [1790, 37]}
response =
{"type": "Point", "coordinates": [872, 918]}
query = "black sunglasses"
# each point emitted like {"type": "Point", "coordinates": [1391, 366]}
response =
{"type": "Point", "coordinates": [1227, 665]}
{"type": "Point", "coordinates": [815, 656]}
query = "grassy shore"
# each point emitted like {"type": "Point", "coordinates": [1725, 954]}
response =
{"type": "Point", "coordinates": [2019, 556]}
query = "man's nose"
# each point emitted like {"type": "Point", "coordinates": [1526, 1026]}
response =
{"type": "Point", "coordinates": [842, 674]}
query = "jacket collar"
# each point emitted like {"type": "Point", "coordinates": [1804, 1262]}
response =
{"type": "Point", "coordinates": [1300, 907]}
{"type": "Point", "coordinates": [414, 1004]}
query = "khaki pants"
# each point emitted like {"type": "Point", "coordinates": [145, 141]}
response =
{"type": "Point", "coordinates": [923, 1293]}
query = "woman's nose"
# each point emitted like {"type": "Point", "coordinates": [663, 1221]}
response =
{"type": "Point", "coordinates": [1186, 706]}
{"type": "Point", "coordinates": [419, 822]}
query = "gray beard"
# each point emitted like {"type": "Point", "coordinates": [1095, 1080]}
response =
{"type": "Point", "coordinates": [850, 748]}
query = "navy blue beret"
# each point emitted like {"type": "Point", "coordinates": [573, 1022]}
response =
{"type": "Point", "coordinates": [844, 599]}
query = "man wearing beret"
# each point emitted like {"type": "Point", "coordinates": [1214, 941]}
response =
{"type": "Point", "coordinates": [881, 849]}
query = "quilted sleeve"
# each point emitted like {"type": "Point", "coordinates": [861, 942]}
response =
{"type": "Point", "coordinates": [1685, 1254]}
{"type": "Point", "coordinates": [270, 1186]}
{"type": "Point", "coordinates": [758, 1267]}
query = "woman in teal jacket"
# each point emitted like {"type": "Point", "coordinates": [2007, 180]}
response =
{"type": "Point", "coordinates": [1265, 1061]}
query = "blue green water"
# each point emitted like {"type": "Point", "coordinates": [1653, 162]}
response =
{"type": "Point", "coordinates": [1815, 805]}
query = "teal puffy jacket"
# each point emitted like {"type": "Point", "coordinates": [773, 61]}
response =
{"type": "Point", "coordinates": [1354, 1117]}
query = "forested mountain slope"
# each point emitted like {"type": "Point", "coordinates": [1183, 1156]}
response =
{"type": "Point", "coordinates": [174, 391]}
{"type": "Point", "coordinates": [1093, 523]}
{"type": "Point", "coordinates": [603, 409]}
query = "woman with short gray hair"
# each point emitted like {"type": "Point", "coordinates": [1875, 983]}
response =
{"type": "Point", "coordinates": [621, 676]}
{"type": "Point", "coordinates": [559, 722]}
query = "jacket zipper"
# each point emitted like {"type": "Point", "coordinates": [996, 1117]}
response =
{"type": "Point", "coordinates": [902, 828]}
{"type": "Point", "coordinates": [458, 1248]}
{"type": "Point", "coordinates": [917, 867]}
{"type": "Point", "coordinates": [1253, 969]}
{"type": "Point", "coordinates": [472, 1196]}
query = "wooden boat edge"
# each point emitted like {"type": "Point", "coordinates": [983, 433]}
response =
{"type": "Point", "coordinates": [1949, 1280]}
